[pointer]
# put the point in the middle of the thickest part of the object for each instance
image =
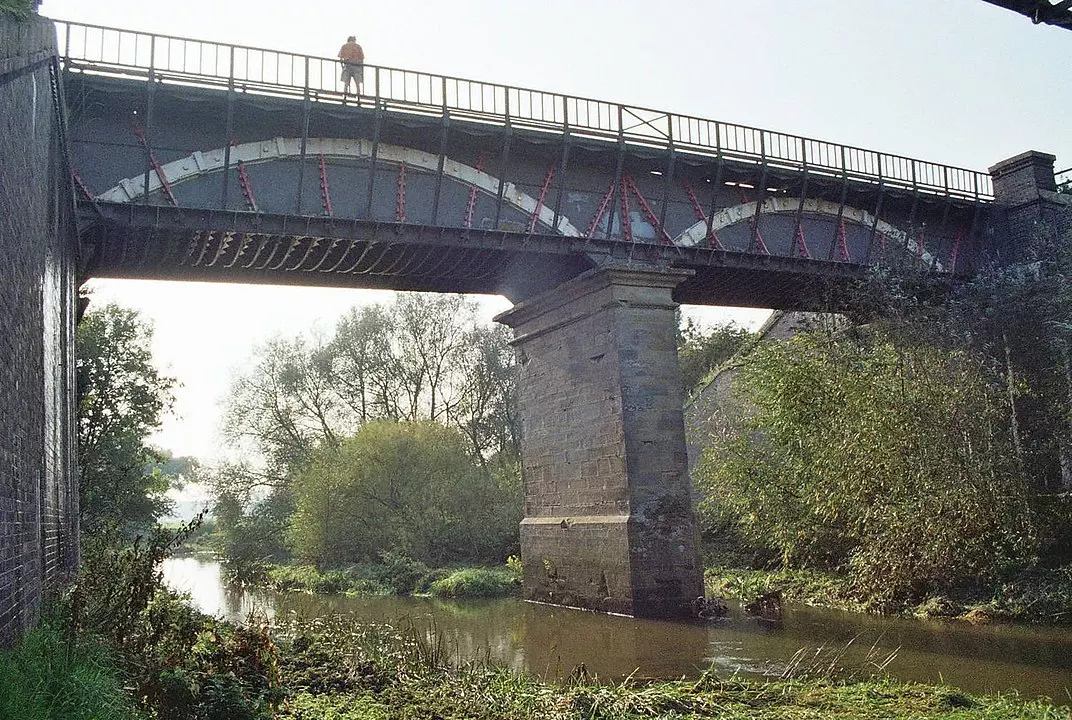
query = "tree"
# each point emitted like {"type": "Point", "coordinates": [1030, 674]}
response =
{"type": "Point", "coordinates": [889, 462]}
{"type": "Point", "coordinates": [421, 358]}
{"type": "Point", "coordinates": [699, 352]}
{"type": "Point", "coordinates": [122, 398]}
{"type": "Point", "coordinates": [403, 486]}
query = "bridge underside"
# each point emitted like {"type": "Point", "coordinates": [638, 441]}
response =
{"type": "Point", "coordinates": [144, 242]}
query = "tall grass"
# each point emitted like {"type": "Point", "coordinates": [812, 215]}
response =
{"type": "Point", "coordinates": [476, 582]}
{"type": "Point", "coordinates": [46, 677]}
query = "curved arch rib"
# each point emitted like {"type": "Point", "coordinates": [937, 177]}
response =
{"type": "Point", "coordinates": [202, 163]}
{"type": "Point", "coordinates": [696, 233]}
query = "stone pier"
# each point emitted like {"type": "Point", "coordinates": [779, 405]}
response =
{"type": "Point", "coordinates": [609, 522]}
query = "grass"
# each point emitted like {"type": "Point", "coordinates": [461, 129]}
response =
{"type": "Point", "coordinates": [45, 677]}
{"type": "Point", "coordinates": [803, 587]}
{"type": "Point", "coordinates": [340, 671]}
{"type": "Point", "coordinates": [476, 583]}
{"type": "Point", "coordinates": [397, 575]}
{"type": "Point", "coordinates": [309, 578]}
{"type": "Point", "coordinates": [1039, 597]}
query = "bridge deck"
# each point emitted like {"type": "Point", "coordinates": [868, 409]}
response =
{"type": "Point", "coordinates": [245, 164]}
{"type": "Point", "coordinates": [276, 73]}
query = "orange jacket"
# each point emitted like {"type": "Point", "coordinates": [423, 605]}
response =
{"type": "Point", "coordinates": [352, 52]}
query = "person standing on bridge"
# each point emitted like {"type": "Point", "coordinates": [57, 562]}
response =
{"type": "Point", "coordinates": [352, 58]}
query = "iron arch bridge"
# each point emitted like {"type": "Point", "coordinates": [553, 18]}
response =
{"type": "Point", "coordinates": [198, 160]}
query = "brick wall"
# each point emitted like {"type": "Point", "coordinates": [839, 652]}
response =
{"type": "Point", "coordinates": [38, 497]}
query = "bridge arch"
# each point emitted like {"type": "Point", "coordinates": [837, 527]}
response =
{"type": "Point", "coordinates": [783, 205]}
{"type": "Point", "coordinates": [199, 164]}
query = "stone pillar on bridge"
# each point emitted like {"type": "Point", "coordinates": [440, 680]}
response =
{"type": "Point", "coordinates": [1019, 179]}
{"type": "Point", "coordinates": [609, 522]}
{"type": "Point", "coordinates": [1027, 207]}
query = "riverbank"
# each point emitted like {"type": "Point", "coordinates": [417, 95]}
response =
{"type": "Point", "coordinates": [395, 574]}
{"type": "Point", "coordinates": [334, 669]}
{"type": "Point", "coordinates": [1041, 597]}
{"type": "Point", "coordinates": [346, 672]}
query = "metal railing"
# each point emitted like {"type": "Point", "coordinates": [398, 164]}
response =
{"type": "Point", "coordinates": [184, 60]}
{"type": "Point", "coordinates": [1064, 180]}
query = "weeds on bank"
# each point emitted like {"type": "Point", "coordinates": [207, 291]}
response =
{"type": "Point", "coordinates": [802, 587]}
{"type": "Point", "coordinates": [337, 670]}
{"type": "Point", "coordinates": [48, 676]}
{"type": "Point", "coordinates": [395, 574]}
{"type": "Point", "coordinates": [1039, 596]}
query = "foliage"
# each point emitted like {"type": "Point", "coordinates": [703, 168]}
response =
{"type": "Point", "coordinates": [421, 358]}
{"type": "Point", "coordinates": [1020, 317]}
{"type": "Point", "coordinates": [799, 587]}
{"type": "Point", "coordinates": [50, 677]}
{"type": "Point", "coordinates": [1038, 596]}
{"type": "Point", "coordinates": [19, 9]}
{"type": "Point", "coordinates": [176, 662]}
{"type": "Point", "coordinates": [401, 574]}
{"type": "Point", "coordinates": [345, 671]}
{"type": "Point", "coordinates": [476, 583]}
{"type": "Point", "coordinates": [409, 487]}
{"type": "Point", "coordinates": [250, 540]}
{"type": "Point", "coordinates": [889, 462]}
{"type": "Point", "coordinates": [699, 352]}
{"type": "Point", "coordinates": [122, 398]}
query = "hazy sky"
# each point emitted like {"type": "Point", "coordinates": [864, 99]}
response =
{"type": "Point", "coordinates": [959, 82]}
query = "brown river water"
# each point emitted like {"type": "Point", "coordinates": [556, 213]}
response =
{"type": "Point", "coordinates": [550, 641]}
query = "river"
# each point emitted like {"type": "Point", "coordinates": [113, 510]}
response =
{"type": "Point", "coordinates": [551, 641]}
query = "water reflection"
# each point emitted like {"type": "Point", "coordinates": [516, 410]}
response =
{"type": "Point", "coordinates": [551, 642]}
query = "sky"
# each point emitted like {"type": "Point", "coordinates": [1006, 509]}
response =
{"type": "Point", "coordinates": [957, 82]}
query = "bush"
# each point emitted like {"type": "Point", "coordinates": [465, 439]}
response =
{"type": "Point", "coordinates": [402, 574]}
{"type": "Point", "coordinates": [176, 661]}
{"type": "Point", "coordinates": [476, 583]}
{"type": "Point", "coordinates": [893, 463]}
{"type": "Point", "coordinates": [412, 487]}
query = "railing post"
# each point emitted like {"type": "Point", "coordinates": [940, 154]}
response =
{"type": "Point", "coordinates": [149, 94]}
{"type": "Point", "coordinates": [505, 164]}
{"type": "Point", "coordinates": [564, 162]}
{"type": "Point", "coordinates": [878, 210]}
{"type": "Point", "coordinates": [834, 241]}
{"type": "Point", "coordinates": [798, 231]}
{"type": "Point", "coordinates": [668, 177]}
{"type": "Point", "coordinates": [716, 185]}
{"type": "Point", "coordinates": [377, 121]}
{"type": "Point", "coordinates": [306, 112]}
{"type": "Point", "coordinates": [443, 130]}
{"type": "Point", "coordinates": [761, 192]}
{"type": "Point", "coordinates": [617, 189]}
{"type": "Point", "coordinates": [225, 192]}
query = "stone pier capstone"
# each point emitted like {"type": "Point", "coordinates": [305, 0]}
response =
{"type": "Point", "coordinates": [609, 522]}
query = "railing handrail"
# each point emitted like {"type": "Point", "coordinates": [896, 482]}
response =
{"type": "Point", "coordinates": [979, 187]}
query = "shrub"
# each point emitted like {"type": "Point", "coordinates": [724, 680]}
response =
{"type": "Point", "coordinates": [400, 573]}
{"type": "Point", "coordinates": [176, 661]}
{"type": "Point", "coordinates": [19, 9]}
{"type": "Point", "coordinates": [407, 486]}
{"type": "Point", "coordinates": [895, 463]}
{"type": "Point", "coordinates": [476, 583]}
